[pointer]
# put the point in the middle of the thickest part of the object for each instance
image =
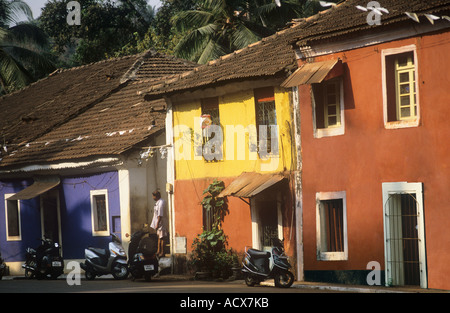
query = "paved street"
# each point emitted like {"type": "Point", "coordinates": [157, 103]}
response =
{"type": "Point", "coordinates": [158, 285]}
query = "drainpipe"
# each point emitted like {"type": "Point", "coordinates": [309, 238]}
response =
{"type": "Point", "coordinates": [170, 178]}
{"type": "Point", "coordinates": [298, 185]}
{"type": "Point", "coordinates": [125, 212]}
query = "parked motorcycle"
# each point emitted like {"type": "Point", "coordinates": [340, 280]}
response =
{"type": "Point", "coordinates": [142, 252]}
{"type": "Point", "coordinates": [106, 261]}
{"type": "Point", "coordinates": [2, 267]}
{"type": "Point", "coordinates": [261, 265]}
{"type": "Point", "coordinates": [44, 261]}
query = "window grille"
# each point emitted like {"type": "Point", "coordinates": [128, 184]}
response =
{"type": "Point", "coordinates": [266, 116]}
{"type": "Point", "coordinates": [100, 213]}
{"type": "Point", "coordinates": [210, 106]}
{"type": "Point", "coordinates": [402, 239]}
{"type": "Point", "coordinates": [332, 213]}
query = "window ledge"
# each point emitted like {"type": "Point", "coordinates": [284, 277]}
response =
{"type": "Point", "coordinates": [402, 124]}
{"type": "Point", "coordinates": [14, 238]}
{"type": "Point", "coordinates": [329, 132]}
{"type": "Point", "coordinates": [332, 256]}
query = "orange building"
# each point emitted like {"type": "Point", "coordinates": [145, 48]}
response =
{"type": "Point", "coordinates": [373, 103]}
{"type": "Point", "coordinates": [229, 120]}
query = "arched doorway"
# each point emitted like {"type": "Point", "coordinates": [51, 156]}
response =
{"type": "Point", "coordinates": [404, 234]}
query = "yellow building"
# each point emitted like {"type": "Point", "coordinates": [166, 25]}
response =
{"type": "Point", "coordinates": [237, 137]}
{"type": "Point", "coordinates": [230, 120]}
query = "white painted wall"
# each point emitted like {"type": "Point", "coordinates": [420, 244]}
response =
{"type": "Point", "coordinates": [137, 181]}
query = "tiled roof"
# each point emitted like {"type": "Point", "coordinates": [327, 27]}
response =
{"type": "Point", "coordinates": [345, 19]}
{"type": "Point", "coordinates": [271, 57]}
{"type": "Point", "coordinates": [92, 110]}
{"type": "Point", "coordinates": [38, 108]}
{"type": "Point", "coordinates": [274, 55]}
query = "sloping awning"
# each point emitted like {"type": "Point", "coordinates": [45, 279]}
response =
{"type": "Point", "coordinates": [40, 185]}
{"type": "Point", "coordinates": [249, 184]}
{"type": "Point", "coordinates": [311, 73]}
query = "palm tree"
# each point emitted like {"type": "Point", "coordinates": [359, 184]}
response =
{"type": "Point", "coordinates": [275, 14]}
{"type": "Point", "coordinates": [216, 28]}
{"type": "Point", "coordinates": [21, 47]}
{"type": "Point", "coordinates": [220, 27]}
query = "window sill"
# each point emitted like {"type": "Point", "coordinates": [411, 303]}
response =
{"type": "Point", "coordinates": [332, 256]}
{"type": "Point", "coordinates": [329, 132]}
{"type": "Point", "coordinates": [101, 234]}
{"type": "Point", "coordinates": [402, 124]}
{"type": "Point", "coordinates": [14, 238]}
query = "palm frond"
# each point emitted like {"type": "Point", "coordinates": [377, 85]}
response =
{"type": "Point", "coordinates": [13, 75]}
{"type": "Point", "coordinates": [243, 36]}
{"type": "Point", "coordinates": [27, 32]}
{"type": "Point", "coordinates": [191, 45]}
{"type": "Point", "coordinates": [187, 20]}
{"type": "Point", "coordinates": [212, 51]}
{"type": "Point", "coordinates": [16, 10]}
{"type": "Point", "coordinates": [29, 58]}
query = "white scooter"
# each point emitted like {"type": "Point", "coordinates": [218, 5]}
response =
{"type": "Point", "coordinates": [103, 262]}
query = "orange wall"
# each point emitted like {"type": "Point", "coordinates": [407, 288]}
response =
{"type": "Point", "coordinates": [367, 155]}
{"type": "Point", "coordinates": [188, 214]}
{"type": "Point", "coordinates": [237, 225]}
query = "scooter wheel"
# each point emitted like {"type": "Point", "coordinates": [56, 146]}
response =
{"type": "Point", "coordinates": [89, 275]}
{"type": "Point", "coordinates": [148, 276]}
{"type": "Point", "coordinates": [120, 271]}
{"type": "Point", "coordinates": [29, 274]}
{"type": "Point", "coordinates": [249, 281]}
{"type": "Point", "coordinates": [284, 279]}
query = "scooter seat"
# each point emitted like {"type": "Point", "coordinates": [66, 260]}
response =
{"type": "Point", "coordinates": [99, 251]}
{"type": "Point", "coordinates": [258, 254]}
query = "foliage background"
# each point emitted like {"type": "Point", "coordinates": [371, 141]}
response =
{"type": "Point", "coordinates": [197, 30]}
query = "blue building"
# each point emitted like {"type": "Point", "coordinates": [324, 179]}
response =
{"type": "Point", "coordinates": [81, 153]}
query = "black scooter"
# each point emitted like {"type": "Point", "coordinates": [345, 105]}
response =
{"type": "Point", "coordinates": [2, 267]}
{"type": "Point", "coordinates": [44, 261]}
{"type": "Point", "coordinates": [142, 255]}
{"type": "Point", "coordinates": [261, 265]}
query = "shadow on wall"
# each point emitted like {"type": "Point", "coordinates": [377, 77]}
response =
{"type": "Point", "coordinates": [76, 215]}
{"type": "Point", "coordinates": [13, 250]}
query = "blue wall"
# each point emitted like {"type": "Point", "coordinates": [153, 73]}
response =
{"type": "Point", "coordinates": [30, 219]}
{"type": "Point", "coordinates": [75, 209]}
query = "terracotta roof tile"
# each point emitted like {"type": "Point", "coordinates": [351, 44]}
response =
{"type": "Point", "coordinates": [267, 58]}
{"type": "Point", "coordinates": [345, 19]}
{"type": "Point", "coordinates": [88, 111]}
{"type": "Point", "coordinates": [274, 55]}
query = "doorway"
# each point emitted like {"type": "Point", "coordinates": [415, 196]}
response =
{"type": "Point", "coordinates": [266, 219]}
{"type": "Point", "coordinates": [404, 234]}
{"type": "Point", "coordinates": [50, 216]}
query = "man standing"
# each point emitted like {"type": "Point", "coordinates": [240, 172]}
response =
{"type": "Point", "coordinates": [158, 222]}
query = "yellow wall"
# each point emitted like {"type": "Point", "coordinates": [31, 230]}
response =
{"type": "Point", "coordinates": [234, 109]}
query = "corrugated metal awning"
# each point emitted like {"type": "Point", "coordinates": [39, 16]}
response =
{"type": "Point", "coordinates": [249, 184]}
{"type": "Point", "coordinates": [40, 185]}
{"type": "Point", "coordinates": [311, 73]}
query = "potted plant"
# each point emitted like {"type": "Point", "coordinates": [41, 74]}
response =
{"type": "Point", "coordinates": [210, 257]}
